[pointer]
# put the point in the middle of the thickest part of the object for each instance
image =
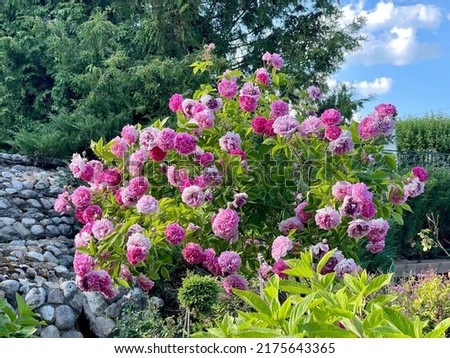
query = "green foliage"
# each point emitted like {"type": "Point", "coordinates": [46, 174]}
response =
{"type": "Point", "coordinates": [427, 297]}
{"type": "Point", "coordinates": [428, 133]}
{"type": "Point", "coordinates": [136, 322]}
{"type": "Point", "coordinates": [18, 325]}
{"type": "Point", "coordinates": [90, 67]}
{"type": "Point", "coordinates": [326, 308]}
{"type": "Point", "coordinates": [198, 294]}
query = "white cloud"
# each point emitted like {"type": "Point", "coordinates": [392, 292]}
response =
{"type": "Point", "coordinates": [378, 86]}
{"type": "Point", "coordinates": [391, 33]}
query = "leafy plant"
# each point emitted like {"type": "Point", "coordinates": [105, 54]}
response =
{"type": "Point", "coordinates": [198, 294]}
{"type": "Point", "coordinates": [18, 325]}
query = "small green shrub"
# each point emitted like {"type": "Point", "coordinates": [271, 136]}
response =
{"type": "Point", "coordinates": [18, 325]}
{"type": "Point", "coordinates": [198, 294]}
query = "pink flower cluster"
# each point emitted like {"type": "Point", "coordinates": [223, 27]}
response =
{"type": "Point", "coordinates": [137, 248]}
{"type": "Point", "coordinates": [273, 59]}
{"type": "Point", "coordinates": [225, 224]}
{"type": "Point", "coordinates": [262, 125]}
{"type": "Point", "coordinates": [175, 234]}
{"type": "Point", "coordinates": [280, 247]}
{"type": "Point", "coordinates": [380, 123]}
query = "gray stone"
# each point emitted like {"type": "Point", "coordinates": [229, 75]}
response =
{"type": "Point", "coordinates": [26, 287]}
{"type": "Point", "coordinates": [34, 203]}
{"type": "Point", "coordinates": [35, 256]}
{"type": "Point", "coordinates": [72, 334]}
{"type": "Point", "coordinates": [65, 229]}
{"type": "Point", "coordinates": [77, 303]}
{"type": "Point", "coordinates": [46, 222]}
{"type": "Point", "coordinates": [31, 272]}
{"type": "Point", "coordinates": [47, 313]}
{"type": "Point", "coordinates": [16, 184]}
{"type": "Point", "coordinates": [10, 287]}
{"type": "Point", "coordinates": [65, 318]}
{"type": "Point", "coordinates": [41, 184]}
{"type": "Point", "coordinates": [36, 297]}
{"type": "Point", "coordinates": [137, 296]}
{"type": "Point", "coordinates": [114, 310]}
{"type": "Point", "coordinates": [103, 327]}
{"type": "Point", "coordinates": [67, 220]}
{"type": "Point", "coordinates": [10, 191]}
{"type": "Point", "coordinates": [47, 203]}
{"type": "Point", "coordinates": [27, 184]}
{"type": "Point", "coordinates": [7, 221]}
{"type": "Point", "coordinates": [2, 295]}
{"type": "Point", "coordinates": [69, 289]}
{"type": "Point", "coordinates": [96, 302]}
{"type": "Point", "coordinates": [54, 190]}
{"type": "Point", "coordinates": [37, 216]}
{"type": "Point", "coordinates": [51, 285]}
{"type": "Point", "coordinates": [37, 230]}
{"type": "Point", "coordinates": [7, 174]}
{"type": "Point", "coordinates": [55, 296]}
{"type": "Point", "coordinates": [28, 221]}
{"type": "Point", "coordinates": [156, 301]}
{"type": "Point", "coordinates": [21, 230]}
{"type": "Point", "coordinates": [66, 260]}
{"type": "Point", "coordinates": [7, 231]}
{"type": "Point", "coordinates": [28, 194]}
{"type": "Point", "coordinates": [50, 332]}
{"type": "Point", "coordinates": [4, 204]}
{"type": "Point", "coordinates": [39, 280]}
{"type": "Point", "coordinates": [20, 272]}
{"type": "Point", "coordinates": [2, 193]}
{"type": "Point", "coordinates": [53, 230]}
{"type": "Point", "coordinates": [61, 270]}
{"type": "Point", "coordinates": [17, 243]}
{"type": "Point", "coordinates": [54, 250]}
{"type": "Point", "coordinates": [56, 220]}
{"type": "Point", "coordinates": [48, 256]}
{"type": "Point", "coordinates": [17, 253]}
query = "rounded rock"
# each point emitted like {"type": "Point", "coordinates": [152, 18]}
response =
{"type": "Point", "coordinates": [28, 221]}
{"type": "Point", "coordinates": [37, 230]}
{"type": "Point", "coordinates": [50, 332]}
{"type": "Point", "coordinates": [69, 289]}
{"type": "Point", "coordinates": [36, 297]}
{"type": "Point", "coordinates": [64, 317]}
{"type": "Point", "coordinates": [10, 286]}
{"type": "Point", "coordinates": [35, 256]}
{"type": "Point", "coordinates": [72, 334]}
{"type": "Point", "coordinates": [47, 313]}
{"type": "Point", "coordinates": [55, 296]}
{"type": "Point", "coordinates": [48, 256]}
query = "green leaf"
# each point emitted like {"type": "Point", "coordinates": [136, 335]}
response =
{"type": "Point", "coordinates": [323, 261]}
{"type": "Point", "coordinates": [439, 330]}
{"type": "Point", "coordinates": [378, 282]}
{"type": "Point", "coordinates": [399, 321]}
{"type": "Point", "coordinates": [325, 330]}
{"type": "Point", "coordinates": [294, 287]}
{"type": "Point", "coordinates": [254, 300]}
{"type": "Point", "coordinates": [397, 217]}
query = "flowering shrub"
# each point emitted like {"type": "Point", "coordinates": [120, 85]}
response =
{"type": "Point", "coordinates": [246, 171]}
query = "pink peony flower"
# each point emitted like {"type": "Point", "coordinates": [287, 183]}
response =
{"type": "Point", "coordinates": [333, 132]}
{"type": "Point", "coordinates": [361, 193]}
{"type": "Point", "coordinates": [285, 125]}
{"type": "Point", "coordinates": [175, 102]}
{"type": "Point", "coordinates": [147, 204]}
{"type": "Point", "coordinates": [273, 59]}
{"type": "Point", "coordinates": [87, 228]}
{"type": "Point", "coordinates": [193, 196]}
{"type": "Point", "coordinates": [129, 134]}
{"type": "Point", "coordinates": [82, 264]}
{"type": "Point", "coordinates": [135, 228]}
{"type": "Point", "coordinates": [137, 248]}
{"type": "Point", "coordinates": [264, 271]}
{"type": "Point", "coordinates": [386, 110]}
{"type": "Point", "coordinates": [205, 118]}
{"type": "Point", "coordinates": [211, 103]}
{"type": "Point", "coordinates": [290, 224]}
{"type": "Point", "coordinates": [175, 234]}
{"type": "Point", "coordinates": [262, 76]}
{"type": "Point", "coordinates": [395, 197]}
{"type": "Point", "coordinates": [193, 253]}
{"type": "Point", "coordinates": [314, 93]}
{"type": "Point", "coordinates": [280, 247]}
{"type": "Point", "coordinates": [341, 189]}
{"type": "Point", "coordinates": [358, 228]}
{"type": "Point", "coordinates": [81, 197]}
{"type": "Point", "coordinates": [250, 90]}
{"type": "Point", "coordinates": [414, 188]}
{"type": "Point", "coordinates": [225, 224]}
{"type": "Point", "coordinates": [239, 152]}
{"type": "Point", "coordinates": [259, 125]}
{"type": "Point", "coordinates": [201, 181]}
{"type": "Point", "coordinates": [230, 141]}
{"type": "Point", "coordinates": [227, 88]}
{"type": "Point", "coordinates": [327, 218]}
{"type": "Point", "coordinates": [279, 108]}
{"type": "Point", "coordinates": [138, 186]}
{"type": "Point", "coordinates": [320, 249]}
{"type": "Point", "coordinates": [92, 213]}
{"type": "Point", "coordinates": [111, 177]}
{"type": "Point", "coordinates": [350, 207]}
{"type": "Point", "coordinates": [88, 173]}
{"type": "Point", "coordinates": [378, 230]}
{"type": "Point", "coordinates": [185, 143]}
{"type": "Point", "coordinates": [148, 138]}
{"type": "Point", "coordinates": [269, 131]}
{"type": "Point", "coordinates": [240, 199]}
{"type": "Point", "coordinates": [342, 145]}
{"type": "Point", "coordinates": [367, 128]}
{"type": "Point", "coordinates": [144, 282]}
{"type": "Point", "coordinates": [205, 159]}
{"type": "Point", "coordinates": [62, 203]}
{"type": "Point", "coordinates": [77, 165]}
{"type": "Point", "coordinates": [157, 154]}
{"type": "Point", "coordinates": [311, 125]}
{"type": "Point", "coordinates": [102, 228]}
{"type": "Point", "coordinates": [98, 169]}
{"type": "Point", "coordinates": [301, 214]}
{"type": "Point", "coordinates": [100, 281]}
{"type": "Point", "coordinates": [420, 174]}
{"type": "Point", "coordinates": [345, 266]}
{"type": "Point", "coordinates": [188, 107]}
{"type": "Point", "coordinates": [82, 239]}
{"type": "Point", "coordinates": [186, 183]}
{"type": "Point", "coordinates": [331, 117]}
{"type": "Point", "coordinates": [166, 139]}
{"type": "Point", "coordinates": [176, 176]}
{"type": "Point", "coordinates": [248, 104]}
{"type": "Point", "coordinates": [368, 210]}
{"type": "Point", "coordinates": [229, 262]}
{"type": "Point", "coordinates": [332, 262]}
{"type": "Point", "coordinates": [211, 262]}
{"type": "Point", "coordinates": [119, 147]}
{"type": "Point", "coordinates": [375, 247]}
{"type": "Point", "coordinates": [234, 281]}
{"type": "Point", "coordinates": [279, 267]}
{"type": "Point", "coordinates": [125, 273]}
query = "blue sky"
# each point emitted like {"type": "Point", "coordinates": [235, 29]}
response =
{"type": "Point", "coordinates": [406, 58]}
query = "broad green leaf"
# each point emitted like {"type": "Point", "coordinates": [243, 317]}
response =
{"type": "Point", "coordinates": [325, 330]}
{"type": "Point", "coordinates": [378, 282]}
{"type": "Point", "coordinates": [294, 287]}
{"type": "Point", "coordinates": [253, 300]}
{"type": "Point", "coordinates": [439, 330]}
{"type": "Point", "coordinates": [323, 261]}
{"type": "Point", "coordinates": [397, 217]}
{"type": "Point", "coordinates": [399, 321]}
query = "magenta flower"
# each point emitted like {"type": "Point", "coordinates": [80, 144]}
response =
{"type": "Point", "coordinates": [386, 110]}
{"type": "Point", "coordinates": [211, 262]}
{"type": "Point", "coordinates": [88, 173]}
{"type": "Point", "coordinates": [367, 128]}
{"type": "Point", "coordinates": [185, 143]}
{"type": "Point", "coordinates": [331, 117]}
{"type": "Point", "coordinates": [157, 154]}
{"type": "Point", "coordinates": [81, 197]}
{"type": "Point", "coordinates": [225, 224]}
{"type": "Point", "coordinates": [230, 141]}
{"type": "Point", "coordinates": [361, 193]}
{"type": "Point", "coordinates": [350, 207]}
{"type": "Point", "coordinates": [269, 131]}
{"type": "Point", "coordinates": [227, 88]}
{"type": "Point", "coordinates": [211, 103]}
{"type": "Point", "coordinates": [148, 138]}
{"type": "Point", "coordinates": [279, 267]}
{"type": "Point", "coordinates": [186, 183]}
{"type": "Point", "coordinates": [264, 271]}
{"type": "Point", "coordinates": [205, 118]}
{"type": "Point", "coordinates": [311, 125]}
{"type": "Point", "coordinates": [229, 262]}
{"type": "Point", "coordinates": [175, 102]}
{"type": "Point", "coordinates": [314, 93]}
{"type": "Point", "coordinates": [100, 281]}
{"type": "Point", "coordinates": [341, 189]}
{"type": "Point", "coordinates": [193, 253]}
{"type": "Point", "coordinates": [82, 239]}
{"type": "Point", "coordinates": [125, 273]}
{"type": "Point", "coordinates": [77, 165]}
{"type": "Point", "coordinates": [378, 230]}
{"type": "Point", "coordinates": [144, 282]}
{"type": "Point", "coordinates": [368, 210]}
{"type": "Point", "coordinates": [234, 281]}
{"type": "Point", "coordinates": [102, 228]}
{"type": "Point", "coordinates": [82, 264]}
{"type": "Point", "coordinates": [92, 213]}
{"type": "Point", "coordinates": [262, 76]}
{"type": "Point", "coordinates": [175, 234]}
{"type": "Point", "coordinates": [119, 147]}
{"type": "Point", "coordinates": [395, 197]}
{"type": "Point", "coordinates": [205, 159]}
{"type": "Point", "coordinates": [335, 258]}
{"type": "Point", "coordinates": [358, 228]}
{"type": "Point", "coordinates": [176, 176]}
{"type": "Point", "coordinates": [414, 188]}
{"type": "Point", "coordinates": [333, 132]}
{"type": "Point", "coordinates": [375, 247]}
{"type": "Point", "coordinates": [166, 139]}
{"type": "Point", "coordinates": [201, 181]}
{"type": "Point", "coordinates": [420, 174]}
{"type": "Point", "coordinates": [327, 218]}
{"type": "Point", "coordinates": [135, 228]}
{"type": "Point", "coordinates": [129, 134]}
{"type": "Point", "coordinates": [303, 216]}
{"type": "Point", "coordinates": [193, 196]}
{"type": "Point", "coordinates": [147, 204]}
{"type": "Point", "coordinates": [285, 125]}
{"type": "Point", "coordinates": [259, 125]}
{"type": "Point", "coordinates": [248, 104]}
{"type": "Point", "coordinates": [111, 177]}
{"type": "Point", "coordinates": [62, 203]}
{"type": "Point", "coordinates": [125, 198]}
{"type": "Point", "coordinates": [345, 266]}
{"type": "Point", "coordinates": [273, 59]}
{"type": "Point", "coordinates": [279, 108]}
{"type": "Point", "coordinates": [137, 248]}
{"type": "Point", "coordinates": [250, 90]}
{"type": "Point", "coordinates": [188, 107]}
{"type": "Point", "coordinates": [289, 224]}
{"type": "Point", "coordinates": [240, 199]}
{"type": "Point", "coordinates": [280, 247]}
{"type": "Point", "coordinates": [342, 145]}
{"type": "Point", "coordinates": [138, 186]}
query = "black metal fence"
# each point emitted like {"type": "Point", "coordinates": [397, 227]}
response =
{"type": "Point", "coordinates": [427, 160]}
